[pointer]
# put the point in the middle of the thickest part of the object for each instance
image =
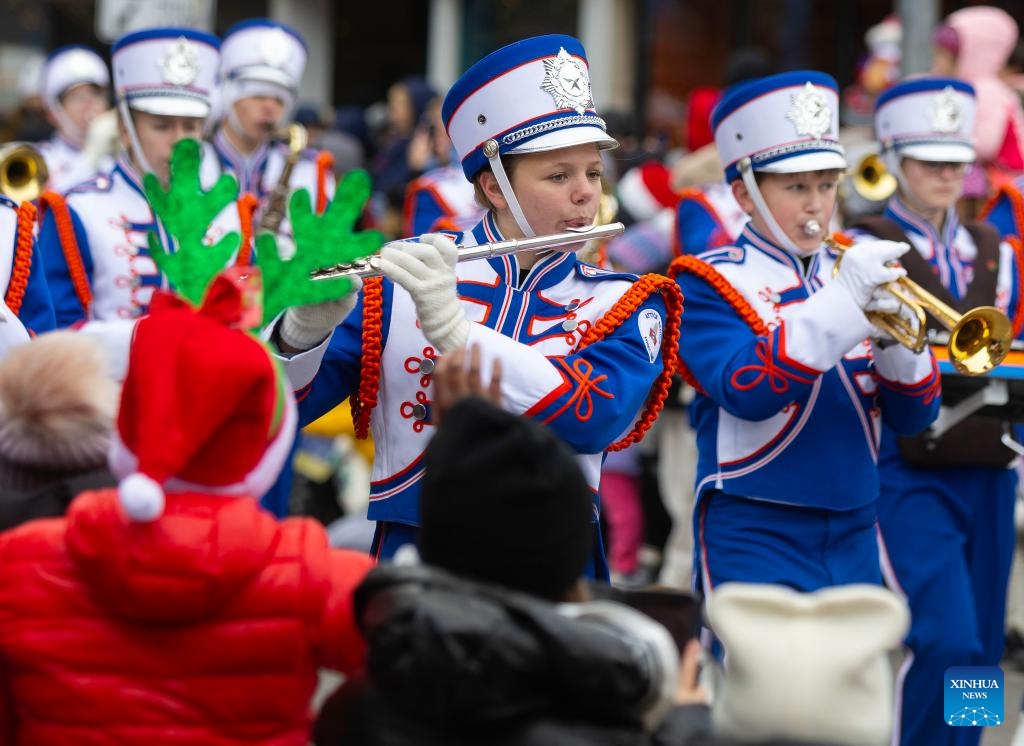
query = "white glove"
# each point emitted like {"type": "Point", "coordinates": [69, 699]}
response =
{"type": "Point", "coordinates": [882, 301]}
{"type": "Point", "coordinates": [304, 327]}
{"type": "Point", "coordinates": [894, 362]}
{"type": "Point", "coordinates": [865, 267]}
{"type": "Point", "coordinates": [426, 270]}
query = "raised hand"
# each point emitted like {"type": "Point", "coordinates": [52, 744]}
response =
{"type": "Point", "coordinates": [186, 211]}
{"type": "Point", "coordinates": [320, 241]}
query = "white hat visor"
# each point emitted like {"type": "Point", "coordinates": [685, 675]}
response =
{"type": "Point", "coordinates": [947, 152]}
{"type": "Point", "coordinates": [171, 106]}
{"type": "Point", "coordinates": [817, 161]}
{"type": "Point", "coordinates": [567, 137]}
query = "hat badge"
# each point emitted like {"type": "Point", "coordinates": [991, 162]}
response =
{"type": "Point", "coordinates": [810, 113]}
{"type": "Point", "coordinates": [566, 80]}
{"type": "Point", "coordinates": [275, 48]}
{"type": "Point", "coordinates": [946, 112]}
{"type": "Point", "coordinates": [180, 64]}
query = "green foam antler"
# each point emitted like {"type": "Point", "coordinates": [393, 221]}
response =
{"type": "Point", "coordinates": [187, 211]}
{"type": "Point", "coordinates": [320, 241]}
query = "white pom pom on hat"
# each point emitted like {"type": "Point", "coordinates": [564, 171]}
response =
{"type": "Point", "coordinates": [141, 497]}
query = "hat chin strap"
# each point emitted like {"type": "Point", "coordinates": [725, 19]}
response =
{"type": "Point", "coordinates": [129, 124]}
{"type": "Point", "coordinates": [778, 234]}
{"type": "Point", "coordinates": [494, 158]}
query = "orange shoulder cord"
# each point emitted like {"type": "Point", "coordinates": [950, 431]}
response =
{"type": "Point", "coordinates": [1018, 254]}
{"type": "Point", "coordinates": [324, 164]}
{"type": "Point", "coordinates": [363, 402]}
{"type": "Point", "coordinates": [247, 205]}
{"type": "Point", "coordinates": [22, 258]}
{"type": "Point", "coordinates": [617, 314]}
{"type": "Point", "coordinates": [1016, 205]}
{"type": "Point", "coordinates": [69, 246]}
{"type": "Point", "coordinates": [694, 266]}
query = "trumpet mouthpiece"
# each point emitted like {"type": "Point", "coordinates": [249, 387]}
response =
{"type": "Point", "coordinates": [812, 228]}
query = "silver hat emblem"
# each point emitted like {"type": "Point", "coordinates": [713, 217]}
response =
{"type": "Point", "coordinates": [180, 64]}
{"type": "Point", "coordinates": [566, 79]}
{"type": "Point", "coordinates": [946, 112]}
{"type": "Point", "coordinates": [810, 113]}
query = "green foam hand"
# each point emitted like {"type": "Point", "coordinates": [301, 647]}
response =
{"type": "Point", "coordinates": [320, 241]}
{"type": "Point", "coordinates": [186, 212]}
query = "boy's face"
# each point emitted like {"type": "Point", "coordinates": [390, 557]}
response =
{"type": "Point", "coordinates": [794, 200]}
{"type": "Point", "coordinates": [933, 185]}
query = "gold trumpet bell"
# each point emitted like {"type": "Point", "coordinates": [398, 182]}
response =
{"type": "Point", "coordinates": [872, 180]}
{"type": "Point", "coordinates": [23, 172]}
{"type": "Point", "coordinates": [980, 340]}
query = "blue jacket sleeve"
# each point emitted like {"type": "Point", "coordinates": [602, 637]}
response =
{"type": "Point", "coordinates": [37, 307]}
{"type": "Point", "coordinates": [66, 305]}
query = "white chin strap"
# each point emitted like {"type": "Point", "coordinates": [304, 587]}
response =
{"type": "Point", "coordinates": [129, 124]}
{"type": "Point", "coordinates": [779, 235]}
{"type": "Point", "coordinates": [494, 158]}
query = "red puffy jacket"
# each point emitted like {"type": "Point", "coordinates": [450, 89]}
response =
{"type": "Point", "coordinates": [206, 626]}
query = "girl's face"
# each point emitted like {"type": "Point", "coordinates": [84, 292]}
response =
{"type": "Point", "coordinates": [83, 103]}
{"type": "Point", "coordinates": [157, 135]}
{"type": "Point", "coordinates": [557, 190]}
{"type": "Point", "coordinates": [258, 117]}
{"type": "Point", "coordinates": [933, 185]}
{"type": "Point", "coordinates": [794, 200]}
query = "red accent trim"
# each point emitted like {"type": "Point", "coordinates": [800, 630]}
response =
{"type": "Point", "coordinates": [369, 383]}
{"type": "Point", "coordinates": [1016, 206]}
{"type": "Point", "coordinates": [247, 205]}
{"type": "Point", "coordinates": [426, 185]}
{"type": "Point", "coordinates": [550, 397]}
{"type": "Point", "coordinates": [69, 246]}
{"type": "Point", "coordinates": [696, 195]}
{"type": "Point", "coordinates": [631, 300]}
{"type": "Point", "coordinates": [784, 432]}
{"type": "Point", "coordinates": [22, 264]}
{"type": "Point", "coordinates": [324, 163]}
{"type": "Point", "coordinates": [719, 284]}
{"type": "Point", "coordinates": [785, 358]}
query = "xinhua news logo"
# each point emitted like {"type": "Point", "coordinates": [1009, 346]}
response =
{"type": "Point", "coordinates": [974, 695]}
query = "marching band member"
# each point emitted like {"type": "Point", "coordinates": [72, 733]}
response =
{"type": "Point", "coordinates": [580, 349]}
{"type": "Point", "coordinates": [262, 62]}
{"type": "Point", "coordinates": [25, 305]}
{"type": "Point", "coordinates": [75, 87]}
{"type": "Point", "coordinates": [946, 505]}
{"type": "Point", "coordinates": [94, 243]}
{"type": "Point", "coordinates": [790, 390]}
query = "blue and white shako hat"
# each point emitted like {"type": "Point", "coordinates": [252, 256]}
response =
{"type": "Point", "coordinates": [261, 57]}
{"type": "Point", "coordinates": [531, 96]}
{"type": "Point", "coordinates": [68, 67]}
{"type": "Point", "coordinates": [165, 71]}
{"type": "Point", "coordinates": [928, 119]}
{"type": "Point", "coordinates": [784, 123]}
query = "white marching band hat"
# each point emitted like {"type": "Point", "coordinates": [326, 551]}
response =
{"type": "Point", "coordinates": [928, 119]}
{"type": "Point", "coordinates": [166, 71]}
{"type": "Point", "coordinates": [70, 66]}
{"type": "Point", "coordinates": [783, 123]}
{"type": "Point", "coordinates": [260, 57]}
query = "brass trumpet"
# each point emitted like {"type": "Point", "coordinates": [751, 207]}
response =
{"type": "Point", "coordinates": [23, 172]}
{"type": "Point", "coordinates": [872, 180]}
{"type": "Point", "coordinates": [979, 340]}
{"type": "Point", "coordinates": [370, 266]}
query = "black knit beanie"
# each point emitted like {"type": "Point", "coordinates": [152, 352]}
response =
{"type": "Point", "coordinates": [504, 501]}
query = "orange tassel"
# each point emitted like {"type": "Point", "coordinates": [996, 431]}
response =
{"type": "Point", "coordinates": [324, 165]}
{"type": "Point", "coordinates": [247, 205]}
{"type": "Point", "coordinates": [22, 258]}
{"type": "Point", "coordinates": [69, 246]}
{"type": "Point", "coordinates": [365, 400]}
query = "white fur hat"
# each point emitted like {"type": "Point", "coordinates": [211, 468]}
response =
{"type": "Point", "coordinates": [806, 666]}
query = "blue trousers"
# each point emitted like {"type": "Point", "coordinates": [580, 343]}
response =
{"type": "Point", "coordinates": [948, 539]}
{"type": "Point", "coordinates": [388, 537]}
{"type": "Point", "coordinates": [754, 541]}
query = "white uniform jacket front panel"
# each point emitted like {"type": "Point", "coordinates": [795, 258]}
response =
{"type": "Point", "coordinates": [590, 397]}
{"type": "Point", "coordinates": [112, 220]}
{"type": "Point", "coordinates": [777, 419]}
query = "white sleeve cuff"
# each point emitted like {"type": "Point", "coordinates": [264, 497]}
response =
{"type": "Point", "coordinates": [898, 364]}
{"type": "Point", "coordinates": [824, 328]}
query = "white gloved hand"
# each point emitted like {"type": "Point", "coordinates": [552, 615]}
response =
{"type": "Point", "coordinates": [865, 267]}
{"type": "Point", "coordinates": [882, 301]}
{"type": "Point", "coordinates": [426, 270]}
{"type": "Point", "coordinates": [304, 327]}
{"type": "Point", "coordinates": [894, 362]}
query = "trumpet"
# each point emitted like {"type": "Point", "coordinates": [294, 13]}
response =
{"type": "Point", "coordinates": [872, 180]}
{"type": "Point", "coordinates": [979, 340]}
{"type": "Point", "coordinates": [23, 172]}
{"type": "Point", "coordinates": [370, 266]}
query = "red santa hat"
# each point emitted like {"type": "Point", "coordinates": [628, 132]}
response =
{"type": "Point", "coordinates": [203, 407]}
{"type": "Point", "coordinates": [644, 191]}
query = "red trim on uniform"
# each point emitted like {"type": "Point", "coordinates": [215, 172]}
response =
{"type": "Point", "coordinates": [247, 205]}
{"type": "Point", "coordinates": [1016, 205]}
{"type": "Point", "coordinates": [68, 246]}
{"type": "Point", "coordinates": [324, 164]}
{"type": "Point", "coordinates": [696, 195]}
{"type": "Point", "coordinates": [365, 400]}
{"type": "Point", "coordinates": [1018, 253]}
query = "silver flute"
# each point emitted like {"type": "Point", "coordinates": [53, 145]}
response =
{"type": "Point", "coordinates": [370, 266]}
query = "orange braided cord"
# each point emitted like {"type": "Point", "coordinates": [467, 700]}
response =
{"type": "Point", "coordinates": [247, 205]}
{"type": "Point", "coordinates": [324, 163]}
{"type": "Point", "coordinates": [69, 247]}
{"type": "Point", "coordinates": [1018, 254]}
{"type": "Point", "coordinates": [1016, 206]}
{"type": "Point", "coordinates": [365, 400]}
{"type": "Point", "coordinates": [616, 315]}
{"type": "Point", "coordinates": [22, 258]}
{"type": "Point", "coordinates": [694, 266]}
